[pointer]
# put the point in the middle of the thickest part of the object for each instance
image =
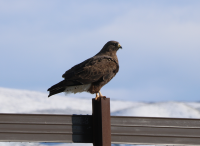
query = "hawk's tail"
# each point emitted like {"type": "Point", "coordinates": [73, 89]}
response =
{"type": "Point", "coordinates": [57, 88]}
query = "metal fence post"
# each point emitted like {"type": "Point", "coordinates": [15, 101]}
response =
{"type": "Point", "coordinates": [101, 122]}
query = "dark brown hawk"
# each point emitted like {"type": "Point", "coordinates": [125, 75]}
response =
{"type": "Point", "coordinates": [92, 74]}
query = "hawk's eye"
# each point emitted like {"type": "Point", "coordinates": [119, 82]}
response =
{"type": "Point", "coordinates": [115, 44]}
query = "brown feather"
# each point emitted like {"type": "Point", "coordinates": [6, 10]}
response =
{"type": "Point", "coordinates": [96, 71]}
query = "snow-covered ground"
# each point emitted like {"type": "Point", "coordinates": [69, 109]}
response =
{"type": "Point", "coordinates": [23, 101]}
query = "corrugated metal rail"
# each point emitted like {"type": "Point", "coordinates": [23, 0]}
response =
{"type": "Point", "coordinates": [78, 129]}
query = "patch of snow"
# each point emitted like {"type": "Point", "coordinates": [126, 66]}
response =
{"type": "Point", "coordinates": [162, 109]}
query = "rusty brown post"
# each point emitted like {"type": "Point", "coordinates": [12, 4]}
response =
{"type": "Point", "coordinates": [101, 122]}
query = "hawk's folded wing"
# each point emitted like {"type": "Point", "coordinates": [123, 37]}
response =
{"type": "Point", "coordinates": [92, 70]}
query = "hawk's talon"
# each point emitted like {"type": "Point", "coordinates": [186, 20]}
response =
{"type": "Point", "coordinates": [97, 96]}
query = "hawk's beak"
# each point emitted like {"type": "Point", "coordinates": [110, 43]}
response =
{"type": "Point", "coordinates": [119, 46]}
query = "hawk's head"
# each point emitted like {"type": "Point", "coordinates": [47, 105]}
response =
{"type": "Point", "coordinates": [110, 47]}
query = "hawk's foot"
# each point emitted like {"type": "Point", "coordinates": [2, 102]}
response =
{"type": "Point", "coordinates": [97, 96]}
{"type": "Point", "coordinates": [100, 96]}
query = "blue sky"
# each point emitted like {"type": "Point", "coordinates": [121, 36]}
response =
{"type": "Point", "coordinates": [40, 40]}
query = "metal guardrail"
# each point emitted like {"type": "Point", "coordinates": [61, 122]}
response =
{"type": "Point", "coordinates": [80, 129]}
{"type": "Point", "coordinates": [45, 128]}
{"type": "Point", "coordinates": [148, 130]}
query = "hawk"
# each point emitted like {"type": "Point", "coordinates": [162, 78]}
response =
{"type": "Point", "coordinates": [92, 74]}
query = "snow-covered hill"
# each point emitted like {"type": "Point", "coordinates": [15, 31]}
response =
{"type": "Point", "coordinates": [23, 101]}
